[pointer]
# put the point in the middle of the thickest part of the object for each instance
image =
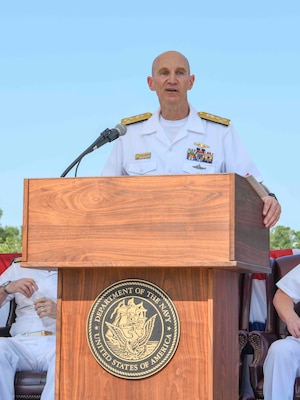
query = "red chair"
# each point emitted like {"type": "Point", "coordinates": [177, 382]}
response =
{"type": "Point", "coordinates": [244, 318]}
{"type": "Point", "coordinates": [6, 259]}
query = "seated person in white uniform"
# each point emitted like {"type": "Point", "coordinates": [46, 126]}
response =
{"type": "Point", "coordinates": [32, 342]}
{"type": "Point", "coordinates": [282, 365]}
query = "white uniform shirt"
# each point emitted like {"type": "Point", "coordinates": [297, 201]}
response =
{"type": "Point", "coordinates": [290, 284]}
{"type": "Point", "coordinates": [27, 319]}
{"type": "Point", "coordinates": [146, 150]}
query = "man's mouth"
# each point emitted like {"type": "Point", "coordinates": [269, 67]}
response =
{"type": "Point", "coordinates": [171, 90]}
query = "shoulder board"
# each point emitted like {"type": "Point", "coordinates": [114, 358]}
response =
{"type": "Point", "coordinates": [136, 118]}
{"type": "Point", "coordinates": [17, 259]}
{"type": "Point", "coordinates": [214, 118]}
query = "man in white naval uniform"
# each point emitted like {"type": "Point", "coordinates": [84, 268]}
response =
{"type": "Point", "coordinates": [178, 140]}
{"type": "Point", "coordinates": [32, 344]}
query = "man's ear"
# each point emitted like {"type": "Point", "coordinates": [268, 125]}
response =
{"type": "Point", "coordinates": [150, 83]}
{"type": "Point", "coordinates": [191, 81]}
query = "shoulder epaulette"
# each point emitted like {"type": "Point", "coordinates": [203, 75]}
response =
{"type": "Point", "coordinates": [136, 118]}
{"type": "Point", "coordinates": [214, 118]}
{"type": "Point", "coordinates": [17, 259]}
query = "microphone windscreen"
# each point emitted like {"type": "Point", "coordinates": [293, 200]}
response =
{"type": "Point", "coordinates": [122, 129]}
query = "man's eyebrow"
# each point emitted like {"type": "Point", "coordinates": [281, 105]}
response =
{"type": "Point", "coordinates": [168, 69]}
{"type": "Point", "coordinates": [183, 69]}
{"type": "Point", "coordinates": [163, 69]}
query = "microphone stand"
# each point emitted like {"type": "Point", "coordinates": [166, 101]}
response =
{"type": "Point", "coordinates": [101, 140]}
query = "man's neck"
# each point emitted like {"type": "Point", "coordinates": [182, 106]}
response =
{"type": "Point", "coordinates": [175, 113]}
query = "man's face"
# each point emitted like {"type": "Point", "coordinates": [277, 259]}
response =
{"type": "Point", "coordinates": [171, 78]}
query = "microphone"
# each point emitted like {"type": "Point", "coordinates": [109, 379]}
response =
{"type": "Point", "coordinates": [108, 135]}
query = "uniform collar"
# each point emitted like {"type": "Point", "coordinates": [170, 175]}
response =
{"type": "Point", "coordinates": [193, 124]}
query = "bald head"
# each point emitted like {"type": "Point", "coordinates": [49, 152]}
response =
{"type": "Point", "coordinates": [171, 81]}
{"type": "Point", "coordinates": [174, 55]}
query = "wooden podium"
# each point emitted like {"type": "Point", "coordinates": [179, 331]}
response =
{"type": "Point", "coordinates": [188, 234]}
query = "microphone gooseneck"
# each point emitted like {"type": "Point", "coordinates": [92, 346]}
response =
{"type": "Point", "coordinates": [108, 135]}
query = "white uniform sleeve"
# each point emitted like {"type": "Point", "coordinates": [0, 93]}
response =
{"type": "Point", "coordinates": [9, 275]}
{"type": "Point", "coordinates": [237, 158]}
{"type": "Point", "coordinates": [290, 284]}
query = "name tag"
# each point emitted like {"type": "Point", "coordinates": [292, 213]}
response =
{"type": "Point", "coordinates": [142, 156]}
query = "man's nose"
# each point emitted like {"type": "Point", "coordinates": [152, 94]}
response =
{"type": "Point", "coordinates": [172, 77]}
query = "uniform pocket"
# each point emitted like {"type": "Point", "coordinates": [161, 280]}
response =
{"type": "Point", "coordinates": [141, 167]}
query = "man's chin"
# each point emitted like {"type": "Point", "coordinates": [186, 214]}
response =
{"type": "Point", "coordinates": [172, 97]}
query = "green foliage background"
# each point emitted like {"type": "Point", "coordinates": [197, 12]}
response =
{"type": "Point", "coordinates": [10, 239]}
{"type": "Point", "coordinates": [282, 237]}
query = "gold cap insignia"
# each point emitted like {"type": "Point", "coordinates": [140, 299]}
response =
{"type": "Point", "coordinates": [214, 118]}
{"type": "Point", "coordinates": [136, 118]}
